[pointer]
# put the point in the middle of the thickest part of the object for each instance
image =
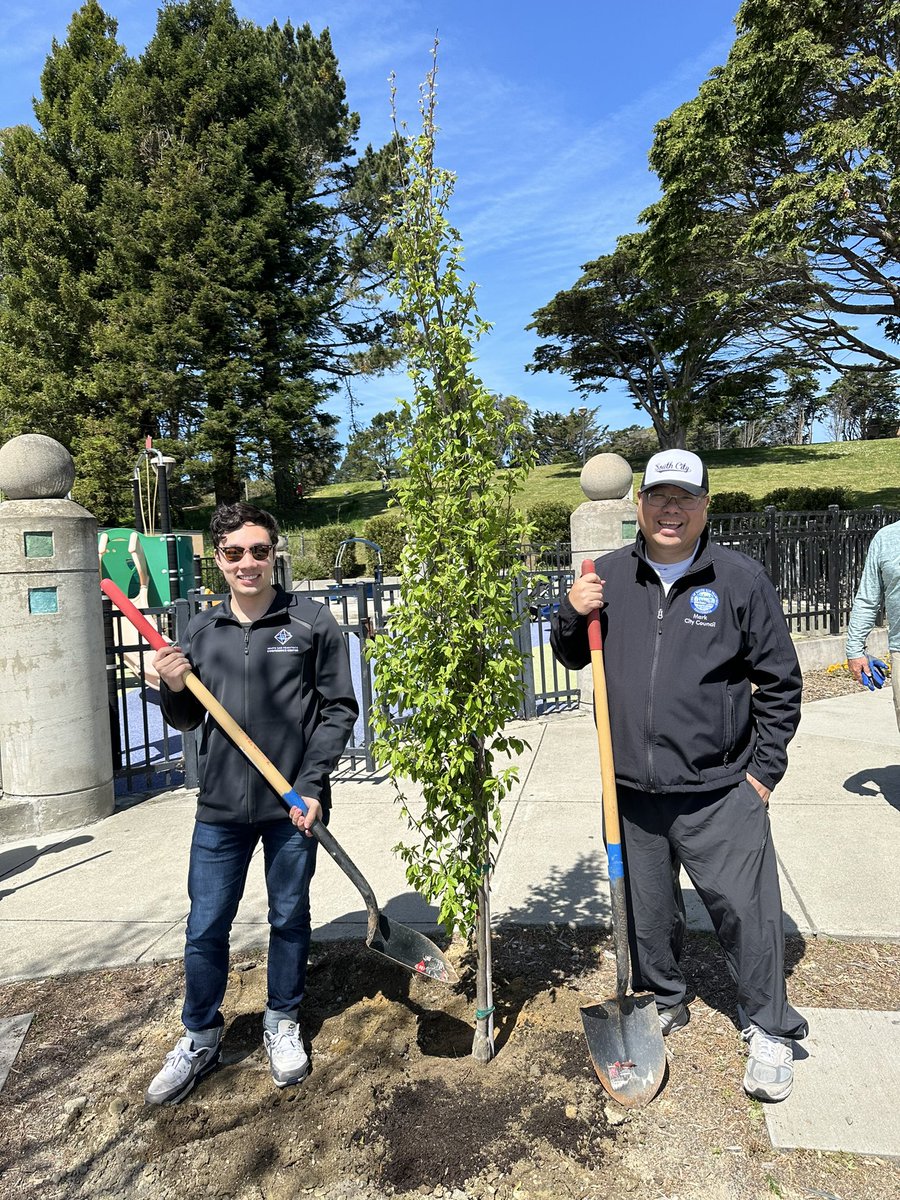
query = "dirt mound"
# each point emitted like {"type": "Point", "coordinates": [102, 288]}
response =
{"type": "Point", "coordinates": [395, 1105]}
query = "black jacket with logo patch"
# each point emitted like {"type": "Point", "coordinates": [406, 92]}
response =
{"type": "Point", "coordinates": [704, 684]}
{"type": "Point", "coordinates": [286, 681]}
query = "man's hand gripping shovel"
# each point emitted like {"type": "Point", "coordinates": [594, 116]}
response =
{"type": "Point", "coordinates": [397, 942]}
{"type": "Point", "coordinates": [623, 1033]}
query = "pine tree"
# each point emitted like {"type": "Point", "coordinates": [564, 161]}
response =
{"type": "Point", "coordinates": [189, 249]}
{"type": "Point", "coordinates": [53, 235]}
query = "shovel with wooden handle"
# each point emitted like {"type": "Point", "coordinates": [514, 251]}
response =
{"type": "Point", "coordinates": [623, 1033]}
{"type": "Point", "coordinates": [397, 942]}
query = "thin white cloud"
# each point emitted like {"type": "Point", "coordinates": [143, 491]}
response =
{"type": "Point", "coordinates": [580, 189]}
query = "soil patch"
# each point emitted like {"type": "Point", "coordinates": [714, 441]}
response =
{"type": "Point", "coordinates": [395, 1106]}
{"type": "Point", "coordinates": [824, 684]}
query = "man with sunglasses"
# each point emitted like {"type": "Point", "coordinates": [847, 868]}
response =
{"type": "Point", "coordinates": [704, 696]}
{"type": "Point", "coordinates": [277, 662]}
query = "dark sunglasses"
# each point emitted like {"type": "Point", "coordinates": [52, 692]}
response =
{"type": "Point", "coordinates": [234, 554]}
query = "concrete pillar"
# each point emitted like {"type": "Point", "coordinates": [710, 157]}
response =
{"type": "Point", "coordinates": [54, 711]}
{"type": "Point", "coordinates": [606, 521]}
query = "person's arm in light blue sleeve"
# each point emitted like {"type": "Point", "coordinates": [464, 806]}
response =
{"type": "Point", "coordinates": [869, 599]}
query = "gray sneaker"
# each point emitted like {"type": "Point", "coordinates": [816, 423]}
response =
{"type": "Point", "coordinates": [182, 1069]}
{"type": "Point", "coordinates": [288, 1059]}
{"type": "Point", "coordinates": [675, 1017]}
{"type": "Point", "coordinates": [770, 1067]}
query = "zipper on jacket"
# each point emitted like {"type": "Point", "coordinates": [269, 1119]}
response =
{"type": "Point", "coordinates": [730, 734]}
{"type": "Point", "coordinates": [665, 602]}
{"type": "Point", "coordinates": [660, 613]}
{"type": "Point", "coordinates": [249, 769]}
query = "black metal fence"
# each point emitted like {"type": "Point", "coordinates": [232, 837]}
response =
{"type": "Point", "coordinates": [815, 559]}
{"type": "Point", "coordinates": [548, 685]}
{"type": "Point", "coordinates": [149, 754]}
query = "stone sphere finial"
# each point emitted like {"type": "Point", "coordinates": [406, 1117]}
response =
{"type": "Point", "coordinates": [35, 467]}
{"type": "Point", "coordinates": [607, 477]}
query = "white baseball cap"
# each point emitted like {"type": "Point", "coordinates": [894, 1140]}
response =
{"type": "Point", "coordinates": [680, 468]}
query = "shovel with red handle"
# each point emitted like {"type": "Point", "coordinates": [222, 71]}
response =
{"type": "Point", "coordinates": [623, 1034]}
{"type": "Point", "coordinates": [397, 942]}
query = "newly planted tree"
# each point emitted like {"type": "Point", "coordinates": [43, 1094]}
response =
{"type": "Point", "coordinates": [447, 674]}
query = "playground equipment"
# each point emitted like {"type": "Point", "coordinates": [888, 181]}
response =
{"type": "Point", "coordinates": [152, 568]}
{"type": "Point", "coordinates": [338, 567]}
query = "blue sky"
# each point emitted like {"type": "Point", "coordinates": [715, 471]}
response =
{"type": "Point", "coordinates": [546, 115]}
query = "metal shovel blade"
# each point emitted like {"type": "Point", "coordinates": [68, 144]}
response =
{"type": "Point", "coordinates": [410, 949]}
{"type": "Point", "coordinates": [626, 1047]}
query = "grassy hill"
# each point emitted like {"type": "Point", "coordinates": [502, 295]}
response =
{"type": "Point", "coordinates": [870, 471]}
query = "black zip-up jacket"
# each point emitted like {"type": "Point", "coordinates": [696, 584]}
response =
{"type": "Point", "coordinates": [286, 681]}
{"type": "Point", "coordinates": [704, 684]}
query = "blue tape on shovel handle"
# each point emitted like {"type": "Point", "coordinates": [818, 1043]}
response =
{"type": "Point", "coordinates": [292, 799]}
{"type": "Point", "coordinates": [614, 862]}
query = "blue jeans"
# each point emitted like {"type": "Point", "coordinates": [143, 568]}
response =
{"type": "Point", "coordinates": [220, 856]}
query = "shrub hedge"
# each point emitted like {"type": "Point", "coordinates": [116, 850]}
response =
{"type": "Point", "coordinates": [388, 531]}
{"type": "Point", "coordinates": [550, 521]}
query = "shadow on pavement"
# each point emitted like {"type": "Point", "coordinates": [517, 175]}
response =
{"type": "Point", "coordinates": [875, 781]}
{"type": "Point", "coordinates": [14, 862]}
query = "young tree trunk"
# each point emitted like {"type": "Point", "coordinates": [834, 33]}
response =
{"type": "Point", "coordinates": [483, 1041]}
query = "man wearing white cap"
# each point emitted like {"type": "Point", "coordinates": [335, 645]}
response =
{"type": "Point", "coordinates": [704, 696]}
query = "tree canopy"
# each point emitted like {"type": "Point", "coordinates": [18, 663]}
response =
{"type": "Point", "coordinates": [692, 340]}
{"type": "Point", "coordinates": [373, 450]}
{"type": "Point", "coordinates": [863, 405]}
{"type": "Point", "coordinates": [571, 436]}
{"type": "Point", "coordinates": [798, 134]}
{"type": "Point", "coordinates": [189, 247]}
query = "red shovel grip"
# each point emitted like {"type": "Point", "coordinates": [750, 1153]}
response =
{"type": "Point", "coordinates": [595, 637]}
{"type": "Point", "coordinates": [147, 631]}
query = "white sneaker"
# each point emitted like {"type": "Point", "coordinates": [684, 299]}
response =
{"type": "Point", "coordinates": [673, 1018]}
{"type": "Point", "coordinates": [770, 1067]}
{"type": "Point", "coordinates": [182, 1069]}
{"type": "Point", "coordinates": [288, 1059]}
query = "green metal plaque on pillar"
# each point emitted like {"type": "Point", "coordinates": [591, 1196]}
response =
{"type": "Point", "coordinates": [43, 600]}
{"type": "Point", "coordinates": [38, 545]}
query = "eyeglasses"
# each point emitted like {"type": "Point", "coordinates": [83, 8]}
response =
{"type": "Point", "coordinates": [661, 500]}
{"type": "Point", "coordinates": [234, 554]}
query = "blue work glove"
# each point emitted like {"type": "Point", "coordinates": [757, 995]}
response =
{"type": "Point", "coordinates": [875, 676]}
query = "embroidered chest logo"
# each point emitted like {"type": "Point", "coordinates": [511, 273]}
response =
{"type": "Point", "coordinates": [704, 601]}
{"type": "Point", "coordinates": [283, 636]}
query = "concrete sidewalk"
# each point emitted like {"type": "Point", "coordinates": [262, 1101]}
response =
{"type": "Point", "coordinates": [114, 893]}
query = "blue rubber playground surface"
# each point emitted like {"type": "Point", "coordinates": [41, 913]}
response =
{"type": "Point", "coordinates": [151, 750]}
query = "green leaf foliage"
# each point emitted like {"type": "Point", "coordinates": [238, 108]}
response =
{"type": "Point", "coordinates": [388, 531]}
{"type": "Point", "coordinates": [372, 452]}
{"type": "Point", "coordinates": [447, 674]}
{"type": "Point", "coordinates": [797, 136]}
{"type": "Point", "coordinates": [308, 567]}
{"type": "Point", "coordinates": [327, 541]}
{"type": "Point", "coordinates": [549, 520]}
{"type": "Point", "coordinates": [566, 437]}
{"type": "Point", "coordinates": [190, 248]}
{"type": "Point", "coordinates": [731, 502]}
{"type": "Point", "coordinates": [806, 499]}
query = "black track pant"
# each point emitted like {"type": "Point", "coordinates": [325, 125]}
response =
{"type": "Point", "coordinates": [724, 842]}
